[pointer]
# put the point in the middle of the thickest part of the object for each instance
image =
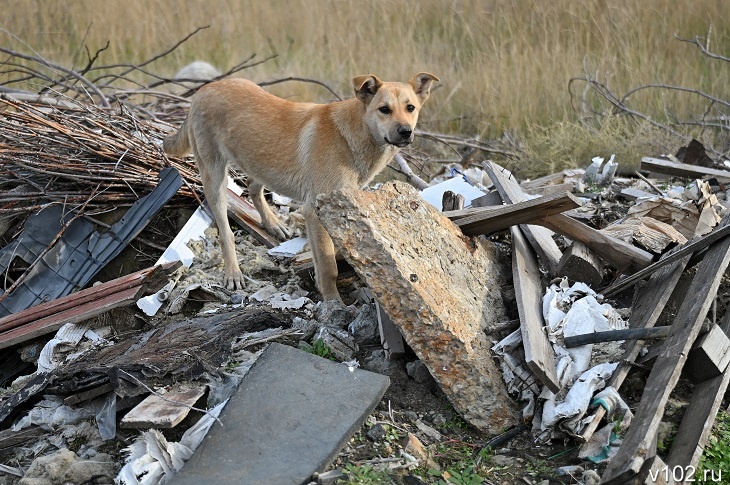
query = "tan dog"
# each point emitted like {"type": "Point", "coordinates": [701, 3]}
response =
{"type": "Point", "coordinates": [296, 149]}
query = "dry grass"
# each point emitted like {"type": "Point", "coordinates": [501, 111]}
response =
{"type": "Point", "coordinates": [504, 65]}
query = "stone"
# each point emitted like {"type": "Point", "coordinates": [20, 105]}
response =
{"type": "Point", "coordinates": [365, 325]}
{"type": "Point", "coordinates": [330, 477]}
{"type": "Point", "coordinates": [377, 362]}
{"type": "Point", "coordinates": [418, 371]}
{"type": "Point", "coordinates": [334, 313]}
{"type": "Point", "coordinates": [340, 342]}
{"type": "Point", "coordinates": [64, 466]}
{"type": "Point", "coordinates": [376, 433]}
{"type": "Point", "coordinates": [440, 288]}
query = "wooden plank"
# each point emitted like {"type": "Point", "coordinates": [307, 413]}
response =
{"type": "Point", "coordinates": [709, 356]}
{"type": "Point", "coordinates": [74, 399]}
{"type": "Point", "coordinates": [246, 215]}
{"type": "Point", "coordinates": [485, 220]}
{"type": "Point", "coordinates": [52, 323]}
{"type": "Point", "coordinates": [637, 444]}
{"type": "Point", "coordinates": [668, 167]}
{"type": "Point", "coordinates": [694, 430]}
{"type": "Point", "coordinates": [82, 297]}
{"type": "Point", "coordinates": [722, 230]}
{"type": "Point", "coordinates": [10, 438]}
{"type": "Point", "coordinates": [540, 238]}
{"type": "Point", "coordinates": [619, 254]}
{"type": "Point", "coordinates": [163, 411]}
{"type": "Point", "coordinates": [539, 353]}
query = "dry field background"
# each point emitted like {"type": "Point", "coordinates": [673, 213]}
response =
{"type": "Point", "coordinates": [504, 65]}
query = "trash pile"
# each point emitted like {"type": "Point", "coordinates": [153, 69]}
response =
{"type": "Point", "coordinates": [526, 304]}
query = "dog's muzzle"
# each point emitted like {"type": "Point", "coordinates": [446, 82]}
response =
{"type": "Point", "coordinates": [405, 137]}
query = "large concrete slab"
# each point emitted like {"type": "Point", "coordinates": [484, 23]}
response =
{"type": "Point", "coordinates": [289, 418]}
{"type": "Point", "coordinates": [442, 289]}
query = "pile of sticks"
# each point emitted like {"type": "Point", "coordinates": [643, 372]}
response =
{"type": "Point", "coordinates": [85, 154]}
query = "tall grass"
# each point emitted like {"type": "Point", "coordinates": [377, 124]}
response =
{"type": "Point", "coordinates": [504, 65]}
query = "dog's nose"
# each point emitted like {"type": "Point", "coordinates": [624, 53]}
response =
{"type": "Point", "coordinates": [405, 131]}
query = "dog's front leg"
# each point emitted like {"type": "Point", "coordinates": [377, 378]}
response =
{"type": "Point", "coordinates": [323, 251]}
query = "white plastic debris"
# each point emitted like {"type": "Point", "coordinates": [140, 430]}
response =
{"type": "Point", "coordinates": [154, 460]}
{"type": "Point", "coordinates": [435, 193]}
{"type": "Point", "coordinates": [289, 249]}
{"type": "Point", "coordinates": [67, 338]}
{"type": "Point", "coordinates": [573, 406]}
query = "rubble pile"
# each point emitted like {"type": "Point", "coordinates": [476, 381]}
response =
{"type": "Point", "coordinates": [525, 305]}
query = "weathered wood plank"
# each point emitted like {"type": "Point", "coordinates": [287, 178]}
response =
{"type": "Point", "coordinates": [248, 217]}
{"type": "Point", "coordinates": [484, 220]}
{"type": "Point", "coordinates": [163, 411]}
{"type": "Point", "coordinates": [52, 323]}
{"type": "Point", "coordinates": [619, 254]}
{"type": "Point", "coordinates": [694, 430]}
{"type": "Point", "coordinates": [82, 297]}
{"type": "Point", "coordinates": [540, 238]}
{"type": "Point", "coordinates": [637, 444]}
{"type": "Point", "coordinates": [539, 353]}
{"type": "Point", "coordinates": [709, 356]}
{"type": "Point", "coordinates": [668, 167]}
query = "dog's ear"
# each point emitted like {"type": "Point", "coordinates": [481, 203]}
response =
{"type": "Point", "coordinates": [422, 83]}
{"type": "Point", "coordinates": [366, 86]}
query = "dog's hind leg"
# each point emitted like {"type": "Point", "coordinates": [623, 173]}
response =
{"type": "Point", "coordinates": [269, 220]}
{"type": "Point", "coordinates": [215, 186]}
{"type": "Point", "coordinates": [324, 254]}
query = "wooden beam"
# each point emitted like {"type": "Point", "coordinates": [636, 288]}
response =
{"type": "Point", "coordinates": [540, 238]}
{"type": "Point", "coordinates": [637, 444]}
{"type": "Point", "coordinates": [579, 263]}
{"type": "Point", "coordinates": [85, 296]}
{"type": "Point", "coordinates": [619, 254]}
{"type": "Point", "coordinates": [668, 167]}
{"type": "Point", "coordinates": [93, 301]}
{"type": "Point", "coordinates": [539, 353]}
{"type": "Point", "coordinates": [248, 217]}
{"type": "Point", "coordinates": [694, 430]}
{"type": "Point", "coordinates": [484, 220]}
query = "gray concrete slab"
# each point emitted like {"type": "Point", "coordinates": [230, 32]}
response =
{"type": "Point", "coordinates": [289, 418]}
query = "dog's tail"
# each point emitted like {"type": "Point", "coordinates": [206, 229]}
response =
{"type": "Point", "coordinates": [178, 145]}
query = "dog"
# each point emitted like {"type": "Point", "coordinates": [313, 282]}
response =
{"type": "Point", "coordinates": [299, 150]}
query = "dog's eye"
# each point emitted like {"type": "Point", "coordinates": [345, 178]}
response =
{"type": "Point", "coordinates": [384, 109]}
{"type": "Point", "coordinates": [410, 108]}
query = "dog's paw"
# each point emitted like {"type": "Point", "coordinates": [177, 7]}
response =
{"type": "Point", "coordinates": [234, 280]}
{"type": "Point", "coordinates": [279, 231]}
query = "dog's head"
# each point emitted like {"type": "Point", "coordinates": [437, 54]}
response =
{"type": "Point", "coordinates": [391, 108]}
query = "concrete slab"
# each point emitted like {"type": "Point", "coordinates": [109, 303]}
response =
{"type": "Point", "coordinates": [289, 418]}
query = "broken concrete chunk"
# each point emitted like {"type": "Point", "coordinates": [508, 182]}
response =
{"type": "Point", "coordinates": [339, 341]}
{"type": "Point", "coordinates": [365, 326]}
{"type": "Point", "coordinates": [436, 284]}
